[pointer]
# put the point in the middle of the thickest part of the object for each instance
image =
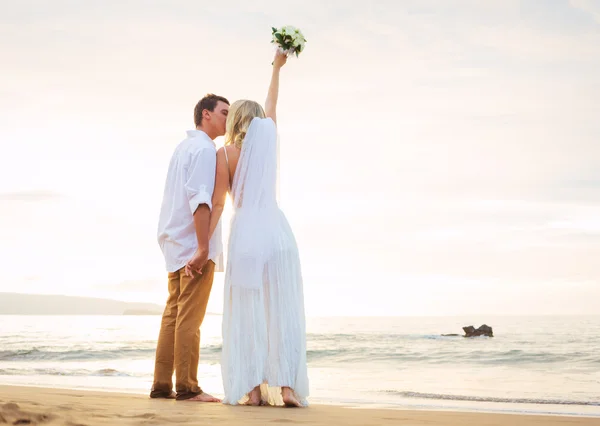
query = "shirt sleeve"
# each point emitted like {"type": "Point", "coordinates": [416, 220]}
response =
{"type": "Point", "coordinates": [200, 179]}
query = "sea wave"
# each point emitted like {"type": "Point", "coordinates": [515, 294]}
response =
{"type": "Point", "coordinates": [388, 349]}
{"type": "Point", "coordinates": [105, 372]}
{"type": "Point", "coordinates": [446, 355]}
{"type": "Point", "coordinates": [470, 398]}
{"type": "Point", "coordinates": [88, 354]}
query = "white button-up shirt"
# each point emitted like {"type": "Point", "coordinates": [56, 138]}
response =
{"type": "Point", "coordinates": [190, 183]}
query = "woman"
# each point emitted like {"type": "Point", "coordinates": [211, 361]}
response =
{"type": "Point", "coordinates": [264, 337]}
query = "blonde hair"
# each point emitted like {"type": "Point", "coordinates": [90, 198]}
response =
{"type": "Point", "coordinates": [239, 118]}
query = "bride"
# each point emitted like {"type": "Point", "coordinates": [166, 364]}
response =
{"type": "Point", "coordinates": [264, 337]}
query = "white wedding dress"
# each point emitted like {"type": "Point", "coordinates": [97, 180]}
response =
{"type": "Point", "coordinates": [264, 332]}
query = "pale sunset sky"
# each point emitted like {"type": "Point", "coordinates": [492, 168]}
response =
{"type": "Point", "coordinates": [437, 157]}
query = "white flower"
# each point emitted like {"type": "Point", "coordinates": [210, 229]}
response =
{"type": "Point", "coordinates": [297, 36]}
{"type": "Point", "coordinates": [288, 29]}
{"type": "Point", "coordinates": [291, 40]}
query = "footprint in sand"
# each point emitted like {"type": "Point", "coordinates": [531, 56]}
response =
{"type": "Point", "coordinates": [11, 406]}
{"type": "Point", "coordinates": [146, 415]}
{"type": "Point", "coordinates": [11, 413]}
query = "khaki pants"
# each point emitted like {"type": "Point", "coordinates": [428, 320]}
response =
{"type": "Point", "coordinates": [178, 345]}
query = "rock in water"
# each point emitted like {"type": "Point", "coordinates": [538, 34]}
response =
{"type": "Point", "coordinates": [484, 330]}
{"type": "Point", "coordinates": [469, 331]}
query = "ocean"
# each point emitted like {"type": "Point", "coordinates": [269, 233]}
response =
{"type": "Point", "coordinates": [541, 365]}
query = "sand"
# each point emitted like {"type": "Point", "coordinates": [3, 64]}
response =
{"type": "Point", "coordinates": [39, 406]}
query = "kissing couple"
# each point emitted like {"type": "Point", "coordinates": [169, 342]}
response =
{"type": "Point", "coordinates": [263, 360]}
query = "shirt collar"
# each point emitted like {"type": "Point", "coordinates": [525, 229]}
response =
{"type": "Point", "coordinates": [199, 133]}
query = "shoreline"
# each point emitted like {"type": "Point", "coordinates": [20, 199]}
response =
{"type": "Point", "coordinates": [453, 406]}
{"type": "Point", "coordinates": [38, 405]}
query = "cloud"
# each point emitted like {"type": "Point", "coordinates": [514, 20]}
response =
{"type": "Point", "coordinates": [33, 195]}
{"type": "Point", "coordinates": [592, 7]}
{"type": "Point", "coordinates": [409, 115]}
{"type": "Point", "coordinates": [134, 286]}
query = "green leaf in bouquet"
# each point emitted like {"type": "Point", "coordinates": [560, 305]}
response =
{"type": "Point", "coordinates": [274, 30]}
{"type": "Point", "coordinates": [279, 38]}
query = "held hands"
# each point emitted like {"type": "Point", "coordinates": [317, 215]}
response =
{"type": "Point", "coordinates": [197, 262]}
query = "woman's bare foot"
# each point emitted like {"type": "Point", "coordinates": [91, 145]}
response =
{"type": "Point", "coordinates": [289, 399]}
{"type": "Point", "coordinates": [254, 397]}
{"type": "Point", "coordinates": [204, 397]}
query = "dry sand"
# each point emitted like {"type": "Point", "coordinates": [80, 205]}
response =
{"type": "Point", "coordinates": [39, 406]}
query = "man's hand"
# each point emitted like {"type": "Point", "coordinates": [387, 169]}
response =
{"type": "Point", "coordinates": [197, 262]}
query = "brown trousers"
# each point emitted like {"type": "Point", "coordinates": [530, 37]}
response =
{"type": "Point", "coordinates": [178, 345]}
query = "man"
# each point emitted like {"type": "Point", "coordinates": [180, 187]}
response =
{"type": "Point", "coordinates": [183, 237]}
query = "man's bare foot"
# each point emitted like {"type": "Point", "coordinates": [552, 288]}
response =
{"type": "Point", "coordinates": [254, 397]}
{"type": "Point", "coordinates": [204, 397]}
{"type": "Point", "coordinates": [289, 399]}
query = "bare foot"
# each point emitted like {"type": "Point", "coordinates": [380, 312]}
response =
{"type": "Point", "coordinates": [254, 397]}
{"type": "Point", "coordinates": [204, 397]}
{"type": "Point", "coordinates": [289, 399]}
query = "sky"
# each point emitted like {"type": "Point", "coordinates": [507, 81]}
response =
{"type": "Point", "coordinates": [437, 157]}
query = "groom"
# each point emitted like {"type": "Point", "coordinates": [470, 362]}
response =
{"type": "Point", "coordinates": [183, 237]}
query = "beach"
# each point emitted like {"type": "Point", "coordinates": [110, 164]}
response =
{"type": "Point", "coordinates": [42, 406]}
{"type": "Point", "coordinates": [527, 368]}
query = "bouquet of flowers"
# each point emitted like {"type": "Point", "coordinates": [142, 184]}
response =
{"type": "Point", "coordinates": [289, 40]}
